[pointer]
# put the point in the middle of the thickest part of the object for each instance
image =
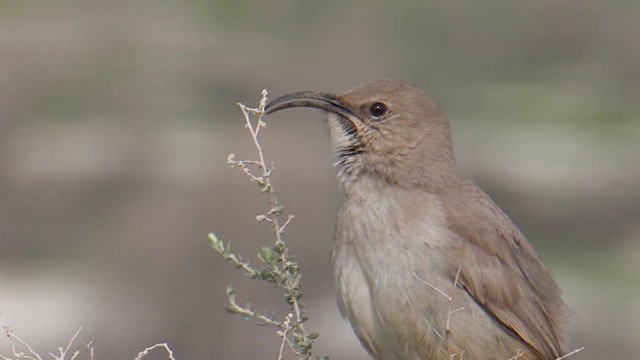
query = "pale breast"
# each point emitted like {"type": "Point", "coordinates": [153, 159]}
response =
{"type": "Point", "coordinates": [355, 301]}
{"type": "Point", "coordinates": [380, 250]}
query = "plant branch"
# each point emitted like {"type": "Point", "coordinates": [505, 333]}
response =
{"type": "Point", "coordinates": [280, 268]}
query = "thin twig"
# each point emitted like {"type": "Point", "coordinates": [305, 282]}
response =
{"type": "Point", "coordinates": [146, 351]}
{"type": "Point", "coordinates": [273, 201]}
{"type": "Point", "coordinates": [17, 354]}
{"type": "Point", "coordinates": [571, 353]}
{"type": "Point", "coordinates": [280, 267]}
{"type": "Point", "coordinates": [283, 334]}
{"type": "Point", "coordinates": [289, 218]}
{"type": "Point", "coordinates": [432, 286]}
{"type": "Point", "coordinates": [518, 355]}
{"type": "Point", "coordinates": [63, 352]}
{"type": "Point", "coordinates": [89, 347]}
{"type": "Point", "coordinates": [450, 312]}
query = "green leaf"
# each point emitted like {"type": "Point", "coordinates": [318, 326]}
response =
{"type": "Point", "coordinates": [268, 276]}
{"type": "Point", "coordinates": [267, 256]}
{"type": "Point", "coordinates": [231, 309]}
{"type": "Point", "coordinates": [279, 248]}
{"type": "Point", "coordinates": [231, 295]}
{"type": "Point", "coordinates": [227, 251]}
{"type": "Point", "coordinates": [235, 258]}
{"type": "Point", "coordinates": [277, 210]}
{"type": "Point", "coordinates": [216, 242]}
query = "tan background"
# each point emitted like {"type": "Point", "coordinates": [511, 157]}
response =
{"type": "Point", "coordinates": [116, 119]}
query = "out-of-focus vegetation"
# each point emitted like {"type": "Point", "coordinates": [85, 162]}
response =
{"type": "Point", "coordinates": [116, 119]}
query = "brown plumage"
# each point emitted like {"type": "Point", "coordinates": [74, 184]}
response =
{"type": "Point", "coordinates": [427, 266]}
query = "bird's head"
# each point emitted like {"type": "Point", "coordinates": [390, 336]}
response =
{"type": "Point", "coordinates": [385, 128]}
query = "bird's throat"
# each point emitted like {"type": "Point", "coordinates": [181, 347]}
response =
{"type": "Point", "coordinates": [346, 146]}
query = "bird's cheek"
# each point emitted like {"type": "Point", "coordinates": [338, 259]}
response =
{"type": "Point", "coordinates": [379, 142]}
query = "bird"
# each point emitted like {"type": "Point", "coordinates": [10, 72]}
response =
{"type": "Point", "coordinates": [426, 265]}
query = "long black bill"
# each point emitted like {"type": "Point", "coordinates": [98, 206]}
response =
{"type": "Point", "coordinates": [324, 101]}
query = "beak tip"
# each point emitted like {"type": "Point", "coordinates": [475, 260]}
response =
{"type": "Point", "coordinates": [272, 107]}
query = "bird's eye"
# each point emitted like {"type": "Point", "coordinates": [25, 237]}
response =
{"type": "Point", "coordinates": [378, 109]}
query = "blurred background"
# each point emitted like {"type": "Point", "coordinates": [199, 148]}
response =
{"type": "Point", "coordinates": [116, 119]}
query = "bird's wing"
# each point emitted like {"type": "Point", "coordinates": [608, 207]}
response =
{"type": "Point", "coordinates": [502, 272]}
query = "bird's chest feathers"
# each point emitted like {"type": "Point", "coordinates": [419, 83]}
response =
{"type": "Point", "coordinates": [384, 236]}
{"type": "Point", "coordinates": [386, 227]}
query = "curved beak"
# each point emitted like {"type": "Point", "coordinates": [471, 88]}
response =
{"type": "Point", "coordinates": [323, 101]}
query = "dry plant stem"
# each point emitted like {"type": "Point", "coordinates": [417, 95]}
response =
{"type": "Point", "coordinates": [32, 355]}
{"type": "Point", "coordinates": [450, 312]}
{"type": "Point", "coordinates": [146, 351]}
{"type": "Point", "coordinates": [459, 355]}
{"type": "Point", "coordinates": [89, 347]}
{"type": "Point", "coordinates": [283, 335]}
{"type": "Point", "coordinates": [64, 352]}
{"type": "Point", "coordinates": [266, 183]}
{"type": "Point", "coordinates": [280, 268]}
{"type": "Point", "coordinates": [18, 354]}
{"type": "Point", "coordinates": [571, 353]}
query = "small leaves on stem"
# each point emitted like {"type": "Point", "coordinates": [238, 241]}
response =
{"type": "Point", "coordinates": [279, 267]}
{"type": "Point", "coordinates": [246, 312]}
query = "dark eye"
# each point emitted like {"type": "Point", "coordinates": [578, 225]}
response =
{"type": "Point", "coordinates": [378, 109]}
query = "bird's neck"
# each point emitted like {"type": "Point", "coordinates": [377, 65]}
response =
{"type": "Point", "coordinates": [432, 176]}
